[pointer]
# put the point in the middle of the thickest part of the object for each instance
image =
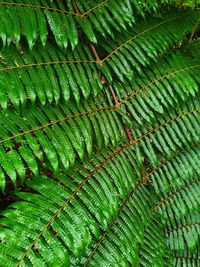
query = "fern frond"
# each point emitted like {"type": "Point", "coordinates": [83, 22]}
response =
{"type": "Point", "coordinates": [91, 197]}
{"type": "Point", "coordinates": [153, 91]}
{"type": "Point", "coordinates": [129, 226]}
{"type": "Point", "coordinates": [178, 170]}
{"type": "Point", "coordinates": [47, 75]}
{"type": "Point", "coordinates": [103, 17]}
{"type": "Point", "coordinates": [60, 134]}
{"type": "Point", "coordinates": [153, 248]}
{"type": "Point", "coordinates": [180, 202]}
{"type": "Point", "coordinates": [170, 135]}
{"type": "Point", "coordinates": [137, 49]}
{"type": "Point", "coordinates": [184, 235]}
{"type": "Point", "coordinates": [187, 258]}
{"type": "Point", "coordinates": [64, 18]}
{"type": "Point", "coordinates": [93, 182]}
{"type": "Point", "coordinates": [66, 192]}
{"type": "Point", "coordinates": [99, 141]}
{"type": "Point", "coordinates": [59, 18]}
{"type": "Point", "coordinates": [162, 86]}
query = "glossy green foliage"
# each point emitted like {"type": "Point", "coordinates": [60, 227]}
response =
{"type": "Point", "coordinates": [160, 87]}
{"type": "Point", "coordinates": [61, 135]}
{"type": "Point", "coordinates": [171, 172]}
{"type": "Point", "coordinates": [77, 205]}
{"type": "Point", "coordinates": [138, 47]}
{"type": "Point", "coordinates": [99, 133]}
{"type": "Point", "coordinates": [134, 215]}
{"type": "Point", "coordinates": [103, 194]}
{"type": "Point", "coordinates": [47, 75]}
{"type": "Point", "coordinates": [184, 234]}
{"type": "Point", "coordinates": [187, 258]}
{"type": "Point", "coordinates": [106, 194]}
{"type": "Point", "coordinates": [64, 18]}
{"type": "Point", "coordinates": [167, 135]}
{"type": "Point", "coordinates": [153, 248]}
{"type": "Point", "coordinates": [68, 73]}
{"type": "Point", "coordinates": [55, 134]}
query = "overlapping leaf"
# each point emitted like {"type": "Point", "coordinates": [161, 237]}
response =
{"type": "Point", "coordinates": [159, 88]}
{"type": "Point", "coordinates": [178, 171]}
{"type": "Point", "coordinates": [135, 203]}
{"type": "Point", "coordinates": [128, 55]}
{"type": "Point", "coordinates": [90, 197]}
{"type": "Point", "coordinates": [47, 75]}
{"type": "Point", "coordinates": [176, 182]}
{"type": "Point", "coordinates": [180, 202]}
{"type": "Point", "coordinates": [184, 235]}
{"type": "Point", "coordinates": [90, 183]}
{"type": "Point", "coordinates": [119, 245]}
{"type": "Point", "coordinates": [65, 18]}
{"type": "Point", "coordinates": [60, 134]}
{"type": "Point", "coordinates": [180, 129]}
{"type": "Point", "coordinates": [32, 19]}
{"type": "Point", "coordinates": [72, 236]}
{"type": "Point", "coordinates": [153, 248]}
{"type": "Point", "coordinates": [186, 258]}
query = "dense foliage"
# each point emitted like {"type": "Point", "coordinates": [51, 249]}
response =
{"type": "Point", "coordinates": [99, 133]}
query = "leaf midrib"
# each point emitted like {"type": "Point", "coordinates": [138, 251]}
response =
{"type": "Point", "coordinates": [123, 101]}
{"type": "Point", "coordinates": [119, 150]}
{"type": "Point", "coordinates": [54, 9]}
{"type": "Point", "coordinates": [139, 34]}
{"type": "Point", "coordinates": [105, 234]}
{"type": "Point", "coordinates": [101, 62]}
{"type": "Point", "coordinates": [173, 193]}
{"type": "Point", "coordinates": [180, 227]}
